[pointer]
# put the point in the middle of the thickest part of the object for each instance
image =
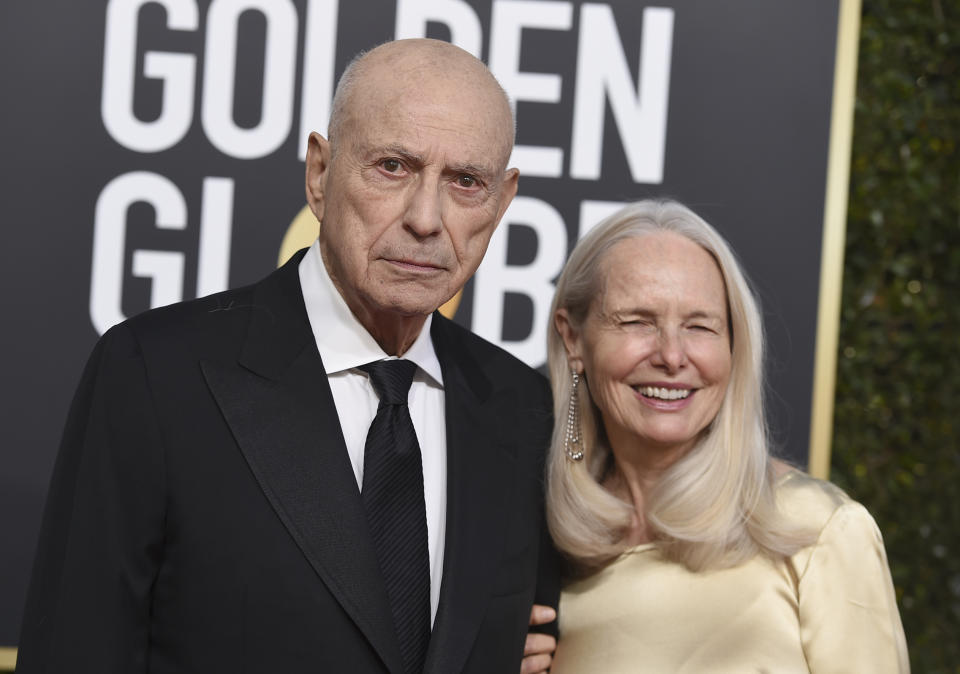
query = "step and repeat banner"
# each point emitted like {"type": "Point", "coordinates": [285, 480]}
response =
{"type": "Point", "coordinates": [153, 152]}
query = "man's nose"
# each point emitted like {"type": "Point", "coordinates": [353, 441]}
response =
{"type": "Point", "coordinates": [423, 215]}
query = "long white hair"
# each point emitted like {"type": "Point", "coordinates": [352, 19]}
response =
{"type": "Point", "coordinates": [715, 506]}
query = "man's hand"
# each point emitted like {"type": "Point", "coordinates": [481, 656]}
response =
{"type": "Point", "coordinates": [539, 648]}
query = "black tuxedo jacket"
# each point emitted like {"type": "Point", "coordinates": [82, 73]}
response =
{"type": "Point", "coordinates": [203, 515]}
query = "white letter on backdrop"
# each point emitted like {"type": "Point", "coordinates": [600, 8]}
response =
{"type": "Point", "coordinates": [602, 73]}
{"type": "Point", "coordinates": [164, 268]}
{"type": "Point", "coordinates": [465, 30]}
{"type": "Point", "coordinates": [216, 228]}
{"type": "Point", "coordinates": [109, 241]}
{"type": "Point", "coordinates": [319, 62]}
{"type": "Point", "coordinates": [175, 70]}
{"type": "Point", "coordinates": [219, 75]}
{"type": "Point", "coordinates": [592, 212]}
{"type": "Point", "coordinates": [509, 20]}
{"type": "Point", "coordinates": [495, 278]}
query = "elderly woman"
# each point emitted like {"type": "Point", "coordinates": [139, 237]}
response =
{"type": "Point", "coordinates": [693, 550]}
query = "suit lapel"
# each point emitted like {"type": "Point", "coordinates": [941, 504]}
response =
{"type": "Point", "coordinates": [279, 406]}
{"type": "Point", "coordinates": [476, 503]}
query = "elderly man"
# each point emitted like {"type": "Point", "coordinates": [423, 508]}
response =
{"type": "Point", "coordinates": [316, 473]}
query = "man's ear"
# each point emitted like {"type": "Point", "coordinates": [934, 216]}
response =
{"type": "Point", "coordinates": [317, 165]}
{"type": "Point", "coordinates": [571, 339]}
{"type": "Point", "coordinates": [511, 180]}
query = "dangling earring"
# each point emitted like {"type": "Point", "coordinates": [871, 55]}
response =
{"type": "Point", "coordinates": [573, 441]}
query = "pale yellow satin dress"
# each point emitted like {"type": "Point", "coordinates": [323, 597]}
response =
{"type": "Point", "coordinates": [829, 608]}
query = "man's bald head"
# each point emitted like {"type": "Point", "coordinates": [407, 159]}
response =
{"type": "Point", "coordinates": [411, 182]}
{"type": "Point", "coordinates": [418, 67]}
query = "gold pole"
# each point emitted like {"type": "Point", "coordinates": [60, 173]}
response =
{"type": "Point", "coordinates": [834, 233]}
{"type": "Point", "coordinates": [8, 659]}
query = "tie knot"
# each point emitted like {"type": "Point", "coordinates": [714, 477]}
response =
{"type": "Point", "coordinates": [391, 379]}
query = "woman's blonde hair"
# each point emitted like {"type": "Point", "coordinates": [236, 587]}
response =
{"type": "Point", "coordinates": [715, 506]}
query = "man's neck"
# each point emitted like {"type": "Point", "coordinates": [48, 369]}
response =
{"type": "Point", "coordinates": [395, 334]}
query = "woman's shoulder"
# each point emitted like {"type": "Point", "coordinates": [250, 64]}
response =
{"type": "Point", "coordinates": [845, 596]}
{"type": "Point", "coordinates": [802, 495]}
{"type": "Point", "coordinates": [826, 508]}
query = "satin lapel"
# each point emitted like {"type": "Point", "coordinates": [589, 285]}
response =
{"type": "Point", "coordinates": [476, 503]}
{"type": "Point", "coordinates": [278, 404]}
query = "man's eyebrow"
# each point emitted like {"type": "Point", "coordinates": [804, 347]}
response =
{"type": "Point", "coordinates": [399, 151]}
{"type": "Point", "coordinates": [485, 172]}
{"type": "Point", "coordinates": [472, 169]}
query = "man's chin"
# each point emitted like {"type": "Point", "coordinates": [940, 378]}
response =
{"type": "Point", "coordinates": [415, 309]}
{"type": "Point", "coordinates": [412, 304]}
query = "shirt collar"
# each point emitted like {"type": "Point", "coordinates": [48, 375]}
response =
{"type": "Point", "coordinates": [342, 341]}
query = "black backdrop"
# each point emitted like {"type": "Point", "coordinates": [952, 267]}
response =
{"type": "Point", "coordinates": [151, 151]}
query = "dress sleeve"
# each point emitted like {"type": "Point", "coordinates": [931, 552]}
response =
{"type": "Point", "coordinates": [848, 610]}
{"type": "Point", "coordinates": [101, 539]}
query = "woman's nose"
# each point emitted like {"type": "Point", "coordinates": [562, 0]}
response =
{"type": "Point", "coordinates": [670, 353]}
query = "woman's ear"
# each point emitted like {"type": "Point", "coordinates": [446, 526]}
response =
{"type": "Point", "coordinates": [318, 164]}
{"type": "Point", "coordinates": [571, 339]}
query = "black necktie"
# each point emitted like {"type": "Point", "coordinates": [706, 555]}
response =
{"type": "Point", "coordinates": [393, 498]}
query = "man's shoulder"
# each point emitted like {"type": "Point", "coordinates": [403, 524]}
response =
{"type": "Point", "coordinates": [214, 324]}
{"type": "Point", "coordinates": [220, 313]}
{"type": "Point", "coordinates": [270, 298]}
{"type": "Point", "coordinates": [491, 358]}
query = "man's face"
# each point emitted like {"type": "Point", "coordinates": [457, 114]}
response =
{"type": "Point", "coordinates": [410, 195]}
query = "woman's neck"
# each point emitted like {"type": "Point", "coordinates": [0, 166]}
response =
{"type": "Point", "coordinates": [634, 473]}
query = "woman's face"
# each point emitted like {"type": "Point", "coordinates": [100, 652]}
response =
{"type": "Point", "coordinates": [655, 346]}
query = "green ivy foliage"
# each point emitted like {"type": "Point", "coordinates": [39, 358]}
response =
{"type": "Point", "coordinates": [897, 414]}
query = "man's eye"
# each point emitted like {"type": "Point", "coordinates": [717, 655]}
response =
{"type": "Point", "coordinates": [391, 165]}
{"type": "Point", "coordinates": [466, 181]}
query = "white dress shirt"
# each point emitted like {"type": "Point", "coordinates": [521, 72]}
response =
{"type": "Point", "coordinates": [344, 345]}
